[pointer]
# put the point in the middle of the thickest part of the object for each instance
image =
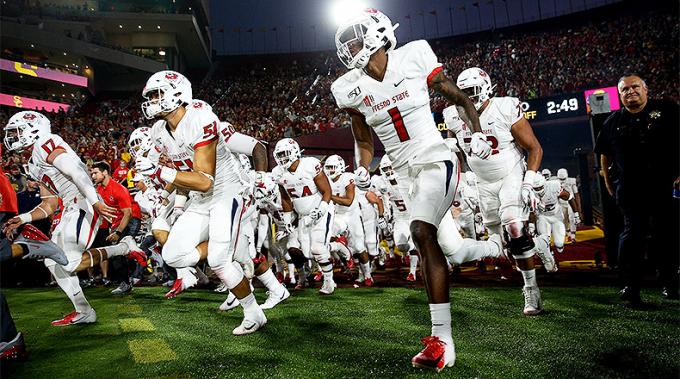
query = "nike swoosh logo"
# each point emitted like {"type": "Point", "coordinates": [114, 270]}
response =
{"type": "Point", "coordinates": [231, 302]}
{"type": "Point", "coordinates": [491, 123]}
{"type": "Point", "coordinates": [251, 326]}
{"type": "Point", "coordinates": [437, 324]}
{"type": "Point", "coordinates": [399, 82]}
{"type": "Point", "coordinates": [77, 293]}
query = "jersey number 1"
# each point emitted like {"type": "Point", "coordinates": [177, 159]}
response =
{"type": "Point", "coordinates": [398, 123]}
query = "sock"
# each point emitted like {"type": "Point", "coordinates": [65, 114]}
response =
{"type": "Point", "coordinates": [529, 278]}
{"type": "Point", "coordinates": [71, 287]}
{"type": "Point", "coordinates": [327, 270]}
{"type": "Point", "coordinates": [269, 281]}
{"type": "Point", "coordinates": [366, 269]}
{"type": "Point", "coordinates": [116, 250]}
{"type": "Point", "coordinates": [291, 272]}
{"type": "Point", "coordinates": [341, 249]}
{"type": "Point", "coordinates": [249, 304]}
{"type": "Point", "coordinates": [441, 322]}
{"type": "Point", "coordinates": [414, 264]}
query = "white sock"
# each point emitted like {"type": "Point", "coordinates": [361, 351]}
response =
{"type": "Point", "coordinates": [116, 250]}
{"type": "Point", "coordinates": [340, 249]}
{"type": "Point", "coordinates": [71, 287]}
{"type": "Point", "coordinates": [270, 281]}
{"type": "Point", "coordinates": [414, 264]}
{"type": "Point", "coordinates": [529, 278]}
{"type": "Point", "coordinates": [249, 304]}
{"type": "Point", "coordinates": [365, 269]}
{"type": "Point", "coordinates": [327, 270]}
{"type": "Point", "coordinates": [441, 322]}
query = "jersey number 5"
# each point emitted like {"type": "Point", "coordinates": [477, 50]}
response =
{"type": "Point", "coordinates": [398, 123]}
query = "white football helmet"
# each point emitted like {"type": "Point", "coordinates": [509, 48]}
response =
{"type": "Point", "coordinates": [245, 162]}
{"type": "Point", "coordinates": [386, 168]}
{"type": "Point", "coordinates": [546, 173]}
{"type": "Point", "coordinates": [562, 174]}
{"type": "Point", "coordinates": [539, 185]}
{"type": "Point", "coordinates": [476, 83]}
{"type": "Point", "coordinates": [286, 152]}
{"type": "Point", "coordinates": [24, 128]}
{"type": "Point", "coordinates": [471, 178]}
{"type": "Point", "coordinates": [164, 92]}
{"type": "Point", "coordinates": [359, 37]}
{"type": "Point", "coordinates": [140, 141]}
{"type": "Point", "coordinates": [334, 166]}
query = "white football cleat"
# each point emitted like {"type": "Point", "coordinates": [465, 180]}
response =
{"type": "Point", "coordinates": [542, 243]}
{"type": "Point", "coordinates": [251, 323]}
{"type": "Point", "coordinates": [229, 304]}
{"type": "Point", "coordinates": [532, 301]}
{"type": "Point", "coordinates": [274, 298]}
{"type": "Point", "coordinates": [328, 287]}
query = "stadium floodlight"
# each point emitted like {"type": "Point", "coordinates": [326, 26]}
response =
{"type": "Point", "coordinates": [161, 53]}
{"type": "Point", "coordinates": [342, 10]}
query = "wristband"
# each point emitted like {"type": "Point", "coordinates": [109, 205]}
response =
{"type": "Point", "coordinates": [25, 217]}
{"type": "Point", "coordinates": [180, 201]}
{"type": "Point", "coordinates": [168, 174]}
{"type": "Point", "coordinates": [529, 177]}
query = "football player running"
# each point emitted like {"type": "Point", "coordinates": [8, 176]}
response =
{"type": "Point", "coordinates": [306, 191]}
{"type": "Point", "coordinates": [387, 90]}
{"type": "Point", "coordinates": [63, 175]}
{"type": "Point", "coordinates": [504, 179]}
{"type": "Point", "coordinates": [550, 221]}
{"type": "Point", "coordinates": [347, 213]}
{"type": "Point", "coordinates": [570, 209]}
{"type": "Point", "coordinates": [203, 165]}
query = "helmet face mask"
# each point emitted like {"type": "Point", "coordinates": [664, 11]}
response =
{"type": "Point", "coordinates": [24, 128]}
{"type": "Point", "coordinates": [539, 185]}
{"type": "Point", "coordinates": [334, 166]}
{"type": "Point", "coordinates": [164, 92]}
{"type": "Point", "coordinates": [386, 168]}
{"type": "Point", "coordinates": [286, 152]}
{"type": "Point", "coordinates": [140, 142]}
{"type": "Point", "coordinates": [357, 39]}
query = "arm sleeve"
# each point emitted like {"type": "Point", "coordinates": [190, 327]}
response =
{"type": "Point", "coordinates": [241, 144]}
{"type": "Point", "coordinates": [72, 167]}
{"type": "Point", "coordinates": [263, 224]}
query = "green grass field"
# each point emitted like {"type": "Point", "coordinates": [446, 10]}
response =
{"type": "Point", "coordinates": [354, 333]}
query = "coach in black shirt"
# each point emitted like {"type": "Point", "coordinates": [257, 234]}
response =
{"type": "Point", "coordinates": [641, 143]}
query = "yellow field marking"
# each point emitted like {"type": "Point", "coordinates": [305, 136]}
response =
{"type": "Point", "coordinates": [151, 350]}
{"type": "Point", "coordinates": [129, 308]}
{"type": "Point", "coordinates": [590, 234]}
{"type": "Point", "coordinates": [138, 324]}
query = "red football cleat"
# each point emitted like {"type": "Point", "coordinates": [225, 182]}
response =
{"type": "Point", "coordinates": [30, 232]}
{"type": "Point", "coordinates": [13, 350]}
{"type": "Point", "coordinates": [177, 288]}
{"type": "Point", "coordinates": [433, 355]}
{"type": "Point", "coordinates": [410, 277]}
{"type": "Point", "coordinates": [318, 277]}
{"type": "Point", "coordinates": [369, 282]}
{"type": "Point", "coordinates": [138, 256]}
{"type": "Point", "coordinates": [300, 286]}
{"type": "Point", "coordinates": [66, 320]}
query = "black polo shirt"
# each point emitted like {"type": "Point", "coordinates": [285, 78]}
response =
{"type": "Point", "coordinates": [644, 148]}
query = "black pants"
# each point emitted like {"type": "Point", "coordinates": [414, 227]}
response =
{"type": "Point", "coordinates": [120, 267]}
{"type": "Point", "coordinates": [650, 228]}
{"type": "Point", "coordinates": [7, 328]}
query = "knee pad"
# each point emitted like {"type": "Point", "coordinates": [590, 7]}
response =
{"type": "Point", "coordinates": [160, 223]}
{"type": "Point", "coordinates": [521, 247]}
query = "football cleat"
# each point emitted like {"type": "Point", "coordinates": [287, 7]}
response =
{"type": "Point", "coordinates": [221, 288]}
{"type": "Point", "coordinates": [251, 323]}
{"type": "Point", "coordinates": [369, 282]}
{"type": "Point", "coordinates": [545, 254]}
{"type": "Point", "coordinates": [435, 356]}
{"type": "Point", "coordinates": [177, 288]}
{"type": "Point", "coordinates": [318, 277]}
{"type": "Point", "coordinates": [229, 304]}
{"type": "Point", "coordinates": [39, 245]}
{"type": "Point", "coordinates": [274, 298]}
{"type": "Point", "coordinates": [328, 287]}
{"type": "Point", "coordinates": [410, 277]}
{"type": "Point", "coordinates": [532, 301]}
{"type": "Point", "coordinates": [123, 289]}
{"type": "Point", "coordinates": [74, 318]}
{"type": "Point", "coordinates": [279, 277]}
{"type": "Point", "coordinates": [301, 286]}
{"type": "Point", "coordinates": [14, 349]}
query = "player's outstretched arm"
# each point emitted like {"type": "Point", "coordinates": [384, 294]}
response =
{"type": "Point", "coordinates": [347, 199]}
{"type": "Point", "coordinates": [203, 175]}
{"type": "Point", "coordinates": [363, 140]}
{"type": "Point", "coordinates": [524, 136]}
{"type": "Point", "coordinates": [46, 208]}
{"type": "Point", "coordinates": [447, 88]}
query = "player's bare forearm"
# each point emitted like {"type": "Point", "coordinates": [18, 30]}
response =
{"type": "Point", "coordinates": [324, 186]}
{"type": "Point", "coordinates": [363, 141]}
{"type": "Point", "coordinates": [260, 161]}
{"type": "Point", "coordinates": [286, 202]}
{"type": "Point", "coordinates": [203, 175]}
{"type": "Point", "coordinates": [524, 136]}
{"type": "Point", "coordinates": [341, 200]}
{"type": "Point", "coordinates": [447, 88]}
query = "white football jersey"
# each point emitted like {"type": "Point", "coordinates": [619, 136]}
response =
{"type": "Point", "coordinates": [550, 198]}
{"type": "Point", "coordinates": [50, 176]}
{"type": "Point", "coordinates": [300, 184]}
{"type": "Point", "coordinates": [390, 189]}
{"type": "Point", "coordinates": [339, 188]}
{"type": "Point", "coordinates": [398, 107]}
{"type": "Point", "coordinates": [496, 121]}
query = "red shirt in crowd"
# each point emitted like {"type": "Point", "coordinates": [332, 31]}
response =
{"type": "Point", "coordinates": [115, 196]}
{"type": "Point", "coordinates": [119, 174]}
{"type": "Point", "coordinates": [8, 198]}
